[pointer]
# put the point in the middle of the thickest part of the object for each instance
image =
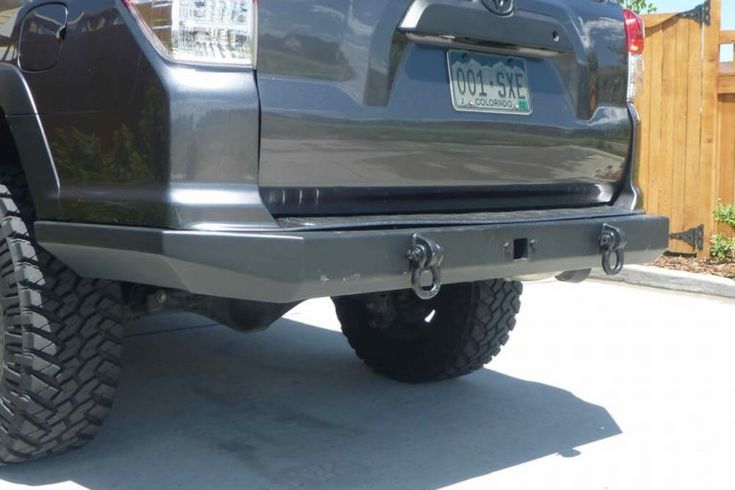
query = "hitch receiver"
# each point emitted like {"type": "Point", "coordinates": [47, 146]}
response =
{"type": "Point", "coordinates": [425, 255]}
{"type": "Point", "coordinates": [612, 241]}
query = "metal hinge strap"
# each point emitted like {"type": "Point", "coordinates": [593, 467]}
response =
{"type": "Point", "coordinates": [693, 236]}
{"type": "Point", "coordinates": [700, 13]}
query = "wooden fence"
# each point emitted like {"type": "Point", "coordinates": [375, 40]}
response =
{"type": "Point", "coordinates": [687, 149]}
{"type": "Point", "coordinates": [687, 108]}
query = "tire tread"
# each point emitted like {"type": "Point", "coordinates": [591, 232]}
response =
{"type": "Point", "coordinates": [477, 334]}
{"type": "Point", "coordinates": [60, 340]}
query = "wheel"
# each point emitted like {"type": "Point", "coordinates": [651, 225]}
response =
{"type": "Point", "coordinates": [453, 334]}
{"type": "Point", "coordinates": [60, 340]}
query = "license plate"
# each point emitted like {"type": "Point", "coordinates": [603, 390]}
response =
{"type": "Point", "coordinates": [482, 82]}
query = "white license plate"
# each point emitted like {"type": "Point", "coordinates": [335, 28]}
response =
{"type": "Point", "coordinates": [482, 82]}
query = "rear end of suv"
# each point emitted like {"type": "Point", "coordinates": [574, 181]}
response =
{"type": "Point", "coordinates": [413, 159]}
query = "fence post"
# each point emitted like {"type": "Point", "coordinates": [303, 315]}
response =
{"type": "Point", "coordinates": [710, 105]}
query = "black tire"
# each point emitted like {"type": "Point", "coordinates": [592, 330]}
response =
{"type": "Point", "coordinates": [398, 335]}
{"type": "Point", "coordinates": [60, 340]}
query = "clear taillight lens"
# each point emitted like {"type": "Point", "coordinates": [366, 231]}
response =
{"type": "Point", "coordinates": [635, 33]}
{"type": "Point", "coordinates": [635, 75]}
{"type": "Point", "coordinates": [200, 31]}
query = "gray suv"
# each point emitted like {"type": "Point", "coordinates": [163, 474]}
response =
{"type": "Point", "coordinates": [415, 160]}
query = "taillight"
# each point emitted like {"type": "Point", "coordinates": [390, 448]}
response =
{"type": "Point", "coordinates": [635, 33]}
{"type": "Point", "coordinates": [200, 31]}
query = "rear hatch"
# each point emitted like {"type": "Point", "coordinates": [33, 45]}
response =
{"type": "Point", "coordinates": [396, 106]}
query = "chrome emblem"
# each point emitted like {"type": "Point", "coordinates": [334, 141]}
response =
{"type": "Point", "coordinates": [500, 7]}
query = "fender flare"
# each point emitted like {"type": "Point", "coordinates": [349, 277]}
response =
{"type": "Point", "coordinates": [30, 141]}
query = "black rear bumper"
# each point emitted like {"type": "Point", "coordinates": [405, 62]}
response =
{"type": "Point", "coordinates": [286, 266]}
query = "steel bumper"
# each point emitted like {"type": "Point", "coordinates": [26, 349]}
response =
{"type": "Point", "coordinates": [288, 266]}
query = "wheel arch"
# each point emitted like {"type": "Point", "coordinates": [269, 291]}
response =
{"type": "Point", "coordinates": [23, 142]}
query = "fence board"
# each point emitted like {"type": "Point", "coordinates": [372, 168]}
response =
{"type": "Point", "coordinates": [693, 126]}
{"type": "Point", "coordinates": [668, 106]}
{"type": "Point", "coordinates": [727, 84]}
{"type": "Point", "coordinates": [710, 73]}
{"type": "Point", "coordinates": [655, 72]}
{"type": "Point", "coordinates": [727, 37]}
{"type": "Point", "coordinates": [679, 112]}
{"type": "Point", "coordinates": [726, 171]}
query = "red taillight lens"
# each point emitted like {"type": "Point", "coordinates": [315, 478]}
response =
{"type": "Point", "coordinates": [635, 31]}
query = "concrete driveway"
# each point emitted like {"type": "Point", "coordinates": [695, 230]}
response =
{"type": "Point", "coordinates": [601, 386]}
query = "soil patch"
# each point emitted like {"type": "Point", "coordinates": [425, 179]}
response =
{"type": "Point", "coordinates": [698, 265]}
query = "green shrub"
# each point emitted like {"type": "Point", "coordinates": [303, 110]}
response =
{"type": "Point", "coordinates": [723, 248]}
{"type": "Point", "coordinates": [725, 214]}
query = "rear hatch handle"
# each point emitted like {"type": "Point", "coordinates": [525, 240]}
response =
{"type": "Point", "coordinates": [540, 25]}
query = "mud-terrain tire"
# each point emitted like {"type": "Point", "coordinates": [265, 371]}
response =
{"type": "Point", "coordinates": [410, 340]}
{"type": "Point", "coordinates": [60, 340]}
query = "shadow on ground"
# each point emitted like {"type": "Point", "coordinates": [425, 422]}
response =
{"type": "Point", "coordinates": [292, 407]}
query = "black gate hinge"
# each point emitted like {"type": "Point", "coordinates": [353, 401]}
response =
{"type": "Point", "coordinates": [693, 236]}
{"type": "Point", "coordinates": [700, 13]}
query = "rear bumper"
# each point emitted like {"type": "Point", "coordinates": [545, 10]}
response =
{"type": "Point", "coordinates": [288, 266]}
